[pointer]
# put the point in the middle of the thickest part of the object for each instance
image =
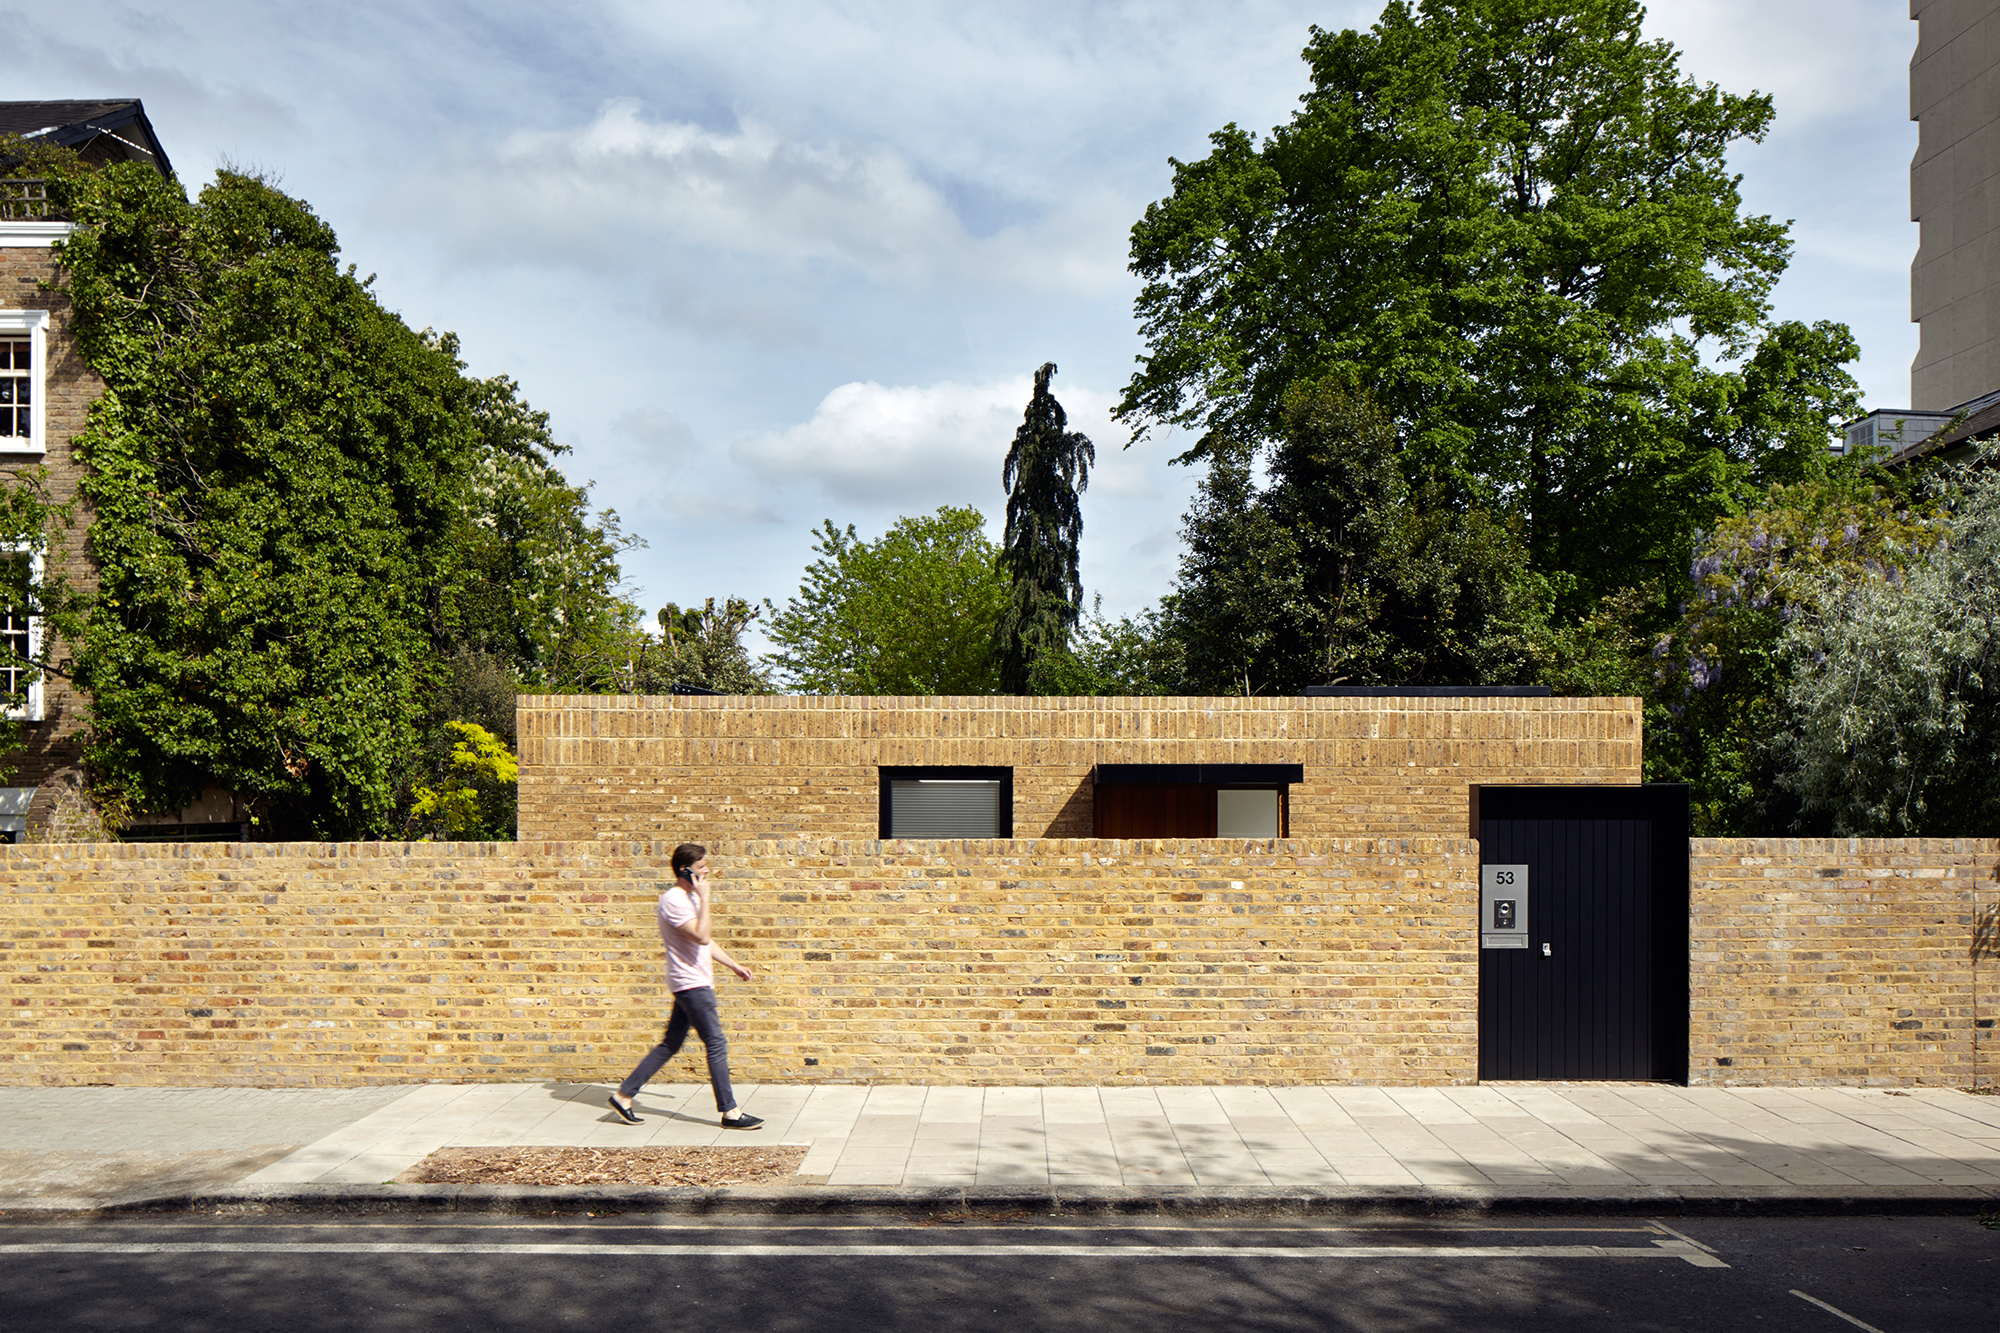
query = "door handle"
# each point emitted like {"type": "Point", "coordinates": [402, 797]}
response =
{"type": "Point", "coordinates": [1545, 952]}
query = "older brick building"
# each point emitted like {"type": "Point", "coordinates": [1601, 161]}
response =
{"type": "Point", "coordinates": [47, 392]}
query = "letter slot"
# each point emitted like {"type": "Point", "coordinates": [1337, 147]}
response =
{"type": "Point", "coordinates": [1503, 907]}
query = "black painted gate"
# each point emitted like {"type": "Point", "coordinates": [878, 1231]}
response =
{"type": "Point", "coordinates": [1601, 989]}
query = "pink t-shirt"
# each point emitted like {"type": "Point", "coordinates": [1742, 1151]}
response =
{"type": "Point", "coordinates": [688, 963]}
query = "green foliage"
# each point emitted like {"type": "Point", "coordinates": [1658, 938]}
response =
{"type": "Point", "coordinates": [276, 470]}
{"type": "Point", "coordinates": [38, 159]}
{"type": "Point", "coordinates": [320, 545]}
{"type": "Point", "coordinates": [1719, 719]}
{"type": "Point", "coordinates": [1893, 687]}
{"type": "Point", "coordinates": [537, 574]}
{"type": "Point", "coordinates": [910, 613]}
{"type": "Point", "coordinates": [1513, 222]}
{"type": "Point", "coordinates": [1340, 572]}
{"type": "Point", "coordinates": [1133, 655]}
{"type": "Point", "coordinates": [1047, 467]}
{"type": "Point", "coordinates": [476, 800]}
{"type": "Point", "coordinates": [703, 646]}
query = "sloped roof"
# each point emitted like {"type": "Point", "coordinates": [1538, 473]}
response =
{"type": "Point", "coordinates": [111, 129]}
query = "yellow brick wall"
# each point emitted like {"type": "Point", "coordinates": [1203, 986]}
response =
{"type": "Point", "coordinates": [758, 766]}
{"type": "Point", "coordinates": [1061, 962]}
{"type": "Point", "coordinates": [1852, 961]}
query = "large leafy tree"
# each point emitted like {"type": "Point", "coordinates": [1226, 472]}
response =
{"type": "Point", "coordinates": [1719, 717]}
{"type": "Point", "coordinates": [912, 612]}
{"type": "Point", "coordinates": [537, 578]}
{"type": "Point", "coordinates": [315, 542]}
{"type": "Point", "coordinates": [1340, 571]}
{"type": "Point", "coordinates": [276, 471]}
{"type": "Point", "coordinates": [1047, 467]}
{"type": "Point", "coordinates": [1512, 223]}
{"type": "Point", "coordinates": [1892, 683]}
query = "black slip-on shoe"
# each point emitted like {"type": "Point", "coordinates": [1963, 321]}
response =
{"type": "Point", "coordinates": [743, 1122]}
{"type": "Point", "coordinates": [625, 1113]}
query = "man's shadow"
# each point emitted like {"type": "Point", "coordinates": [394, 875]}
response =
{"type": "Point", "coordinates": [567, 1092]}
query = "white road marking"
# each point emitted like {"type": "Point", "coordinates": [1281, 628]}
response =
{"type": "Point", "coordinates": [1663, 1249]}
{"type": "Point", "coordinates": [1682, 1235]}
{"type": "Point", "coordinates": [1838, 1314]}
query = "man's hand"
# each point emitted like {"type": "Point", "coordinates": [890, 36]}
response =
{"type": "Point", "coordinates": [741, 971]}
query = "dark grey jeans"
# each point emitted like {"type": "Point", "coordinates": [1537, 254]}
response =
{"type": "Point", "coordinates": [692, 1009]}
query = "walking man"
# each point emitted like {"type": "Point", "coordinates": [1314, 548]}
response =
{"type": "Point", "coordinates": [683, 917]}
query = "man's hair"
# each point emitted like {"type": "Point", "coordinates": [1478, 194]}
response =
{"type": "Point", "coordinates": [686, 855]}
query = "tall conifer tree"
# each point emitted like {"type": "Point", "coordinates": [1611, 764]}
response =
{"type": "Point", "coordinates": [1046, 469]}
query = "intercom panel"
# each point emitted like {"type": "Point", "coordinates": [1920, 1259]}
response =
{"type": "Point", "coordinates": [1503, 907]}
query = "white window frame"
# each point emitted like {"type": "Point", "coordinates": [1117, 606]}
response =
{"type": "Point", "coordinates": [35, 709]}
{"type": "Point", "coordinates": [34, 323]}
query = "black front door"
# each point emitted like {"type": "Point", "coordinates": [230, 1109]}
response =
{"type": "Point", "coordinates": [1600, 990]}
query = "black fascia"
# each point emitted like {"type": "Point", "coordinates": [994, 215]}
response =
{"type": "Point", "coordinates": [1427, 691]}
{"type": "Point", "coordinates": [1219, 775]}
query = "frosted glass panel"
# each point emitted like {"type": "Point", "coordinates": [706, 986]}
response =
{"type": "Point", "coordinates": [1246, 814]}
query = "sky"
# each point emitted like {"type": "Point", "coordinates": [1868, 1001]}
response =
{"type": "Point", "coordinates": [767, 264]}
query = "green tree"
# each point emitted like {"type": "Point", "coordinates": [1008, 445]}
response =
{"type": "Point", "coordinates": [1047, 467]}
{"type": "Point", "coordinates": [910, 613]}
{"type": "Point", "coordinates": [1513, 223]}
{"type": "Point", "coordinates": [703, 646]}
{"type": "Point", "coordinates": [537, 576]}
{"type": "Point", "coordinates": [476, 799]}
{"type": "Point", "coordinates": [275, 468]}
{"type": "Point", "coordinates": [1131, 656]}
{"type": "Point", "coordinates": [1718, 717]}
{"type": "Point", "coordinates": [1892, 681]}
{"type": "Point", "coordinates": [1339, 571]}
{"type": "Point", "coordinates": [316, 543]}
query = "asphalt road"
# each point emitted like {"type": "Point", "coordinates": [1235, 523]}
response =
{"type": "Point", "coordinates": [831, 1275]}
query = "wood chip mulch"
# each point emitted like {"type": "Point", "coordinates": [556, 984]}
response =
{"type": "Point", "coordinates": [706, 1167]}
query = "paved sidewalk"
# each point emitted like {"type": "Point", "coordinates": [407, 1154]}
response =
{"type": "Point", "coordinates": [1642, 1144]}
{"type": "Point", "coordinates": [84, 1147]}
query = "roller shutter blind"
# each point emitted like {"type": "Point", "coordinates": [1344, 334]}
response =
{"type": "Point", "coordinates": [944, 808]}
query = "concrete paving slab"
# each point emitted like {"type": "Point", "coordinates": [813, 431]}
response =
{"type": "Point", "coordinates": [894, 1099]}
{"type": "Point", "coordinates": [954, 1106]}
{"type": "Point", "coordinates": [1013, 1102]}
{"type": "Point", "coordinates": [1072, 1106]}
{"type": "Point", "coordinates": [1128, 1102]}
{"type": "Point", "coordinates": [1311, 1107]}
{"type": "Point", "coordinates": [1639, 1143]}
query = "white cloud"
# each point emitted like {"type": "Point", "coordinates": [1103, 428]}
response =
{"type": "Point", "coordinates": [665, 439]}
{"type": "Point", "coordinates": [733, 508]}
{"type": "Point", "coordinates": [910, 449]}
{"type": "Point", "coordinates": [877, 445]}
{"type": "Point", "coordinates": [1818, 59]}
{"type": "Point", "coordinates": [628, 193]}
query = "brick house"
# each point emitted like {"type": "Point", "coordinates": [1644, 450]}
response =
{"type": "Point", "coordinates": [1371, 764]}
{"type": "Point", "coordinates": [45, 394]}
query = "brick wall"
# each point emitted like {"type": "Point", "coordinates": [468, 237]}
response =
{"type": "Point", "coordinates": [759, 766]}
{"type": "Point", "coordinates": [1843, 961]}
{"type": "Point", "coordinates": [28, 281]}
{"type": "Point", "coordinates": [1063, 962]}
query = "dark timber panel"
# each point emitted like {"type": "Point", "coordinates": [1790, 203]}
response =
{"type": "Point", "coordinates": [1154, 810]}
{"type": "Point", "coordinates": [1607, 894]}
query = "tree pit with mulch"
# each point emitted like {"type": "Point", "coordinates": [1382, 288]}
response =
{"type": "Point", "coordinates": [704, 1167]}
